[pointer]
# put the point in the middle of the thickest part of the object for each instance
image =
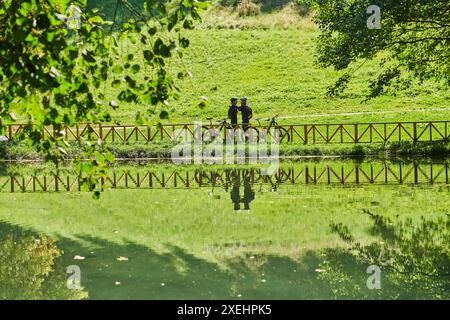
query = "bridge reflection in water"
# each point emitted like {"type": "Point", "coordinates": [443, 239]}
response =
{"type": "Point", "coordinates": [332, 173]}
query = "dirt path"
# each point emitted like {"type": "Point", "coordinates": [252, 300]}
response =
{"type": "Point", "coordinates": [360, 113]}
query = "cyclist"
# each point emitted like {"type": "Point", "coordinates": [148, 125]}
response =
{"type": "Point", "coordinates": [233, 111]}
{"type": "Point", "coordinates": [247, 113]}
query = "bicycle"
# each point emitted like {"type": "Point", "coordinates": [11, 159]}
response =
{"type": "Point", "coordinates": [281, 134]}
{"type": "Point", "coordinates": [208, 134]}
{"type": "Point", "coordinates": [211, 132]}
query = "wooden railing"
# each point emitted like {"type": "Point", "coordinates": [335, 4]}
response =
{"type": "Point", "coordinates": [303, 133]}
{"type": "Point", "coordinates": [307, 174]}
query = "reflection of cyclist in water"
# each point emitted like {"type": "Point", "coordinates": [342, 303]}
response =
{"type": "Point", "coordinates": [249, 194]}
{"type": "Point", "coordinates": [235, 192]}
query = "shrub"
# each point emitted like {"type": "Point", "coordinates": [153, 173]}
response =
{"type": "Point", "coordinates": [304, 7]}
{"type": "Point", "coordinates": [248, 8]}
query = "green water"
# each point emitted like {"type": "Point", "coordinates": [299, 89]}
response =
{"type": "Point", "coordinates": [161, 231]}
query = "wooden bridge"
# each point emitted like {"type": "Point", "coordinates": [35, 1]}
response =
{"type": "Point", "coordinates": [302, 133]}
{"type": "Point", "coordinates": [378, 173]}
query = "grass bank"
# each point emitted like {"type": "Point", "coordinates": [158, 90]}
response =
{"type": "Point", "coordinates": [20, 152]}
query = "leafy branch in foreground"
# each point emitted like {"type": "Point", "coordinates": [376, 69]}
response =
{"type": "Point", "coordinates": [50, 72]}
{"type": "Point", "coordinates": [413, 41]}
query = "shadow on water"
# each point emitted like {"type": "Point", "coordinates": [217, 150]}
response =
{"type": "Point", "coordinates": [147, 274]}
{"type": "Point", "coordinates": [413, 261]}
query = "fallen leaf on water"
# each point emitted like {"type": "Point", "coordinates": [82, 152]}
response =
{"type": "Point", "coordinates": [122, 259]}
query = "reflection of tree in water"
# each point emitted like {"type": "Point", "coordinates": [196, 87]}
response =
{"type": "Point", "coordinates": [30, 269]}
{"type": "Point", "coordinates": [413, 257]}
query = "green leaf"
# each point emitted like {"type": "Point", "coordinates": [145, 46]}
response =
{"type": "Point", "coordinates": [164, 115]}
{"type": "Point", "coordinates": [116, 83]}
{"type": "Point", "coordinates": [117, 69]}
{"type": "Point", "coordinates": [136, 68]}
{"type": "Point", "coordinates": [148, 55]}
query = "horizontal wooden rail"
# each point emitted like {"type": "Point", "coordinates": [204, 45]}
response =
{"type": "Point", "coordinates": [376, 132]}
{"type": "Point", "coordinates": [355, 174]}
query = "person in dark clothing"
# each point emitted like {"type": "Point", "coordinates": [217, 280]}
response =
{"type": "Point", "coordinates": [233, 111]}
{"type": "Point", "coordinates": [247, 113]}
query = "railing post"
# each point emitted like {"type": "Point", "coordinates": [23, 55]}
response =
{"type": "Point", "coordinates": [356, 133]}
{"type": "Point", "coordinates": [305, 127]}
{"type": "Point", "coordinates": [100, 132]}
{"type": "Point", "coordinates": [446, 173]}
{"type": "Point", "coordinates": [431, 174]}
{"type": "Point", "coordinates": [328, 175]}
{"type": "Point", "coordinates": [306, 175]}
{"type": "Point", "coordinates": [314, 133]}
{"type": "Point", "coordinates": [431, 132]}
{"type": "Point", "coordinates": [328, 133]}
{"type": "Point", "coordinates": [446, 131]}
{"type": "Point", "coordinates": [415, 131]}
{"type": "Point", "coordinates": [416, 173]}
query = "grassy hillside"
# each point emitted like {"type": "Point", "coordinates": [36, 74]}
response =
{"type": "Point", "coordinates": [270, 58]}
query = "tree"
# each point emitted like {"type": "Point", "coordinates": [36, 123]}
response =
{"type": "Point", "coordinates": [51, 71]}
{"type": "Point", "coordinates": [412, 40]}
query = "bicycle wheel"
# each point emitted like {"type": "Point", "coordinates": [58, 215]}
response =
{"type": "Point", "coordinates": [281, 135]}
{"type": "Point", "coordinates": [211, 134]}
{"type": "Point", "coordinates": [199, 132]}
{"type": "Point", "coordinates": [206, 134]}
{"type": "Point", "coordinates": [250, 134]}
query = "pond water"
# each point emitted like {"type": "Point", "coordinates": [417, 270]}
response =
{"type": "Point", "coordinates": [161, 231]}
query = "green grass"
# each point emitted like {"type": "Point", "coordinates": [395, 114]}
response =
{"type": "Point", "coordinates": [190, 243]}
{"type": "Point", "coordinates": [275, 69]}
{"type": "Point", "coordinates": [194, 243]}
{"type": "Point", "coordinates": [20, 152]}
